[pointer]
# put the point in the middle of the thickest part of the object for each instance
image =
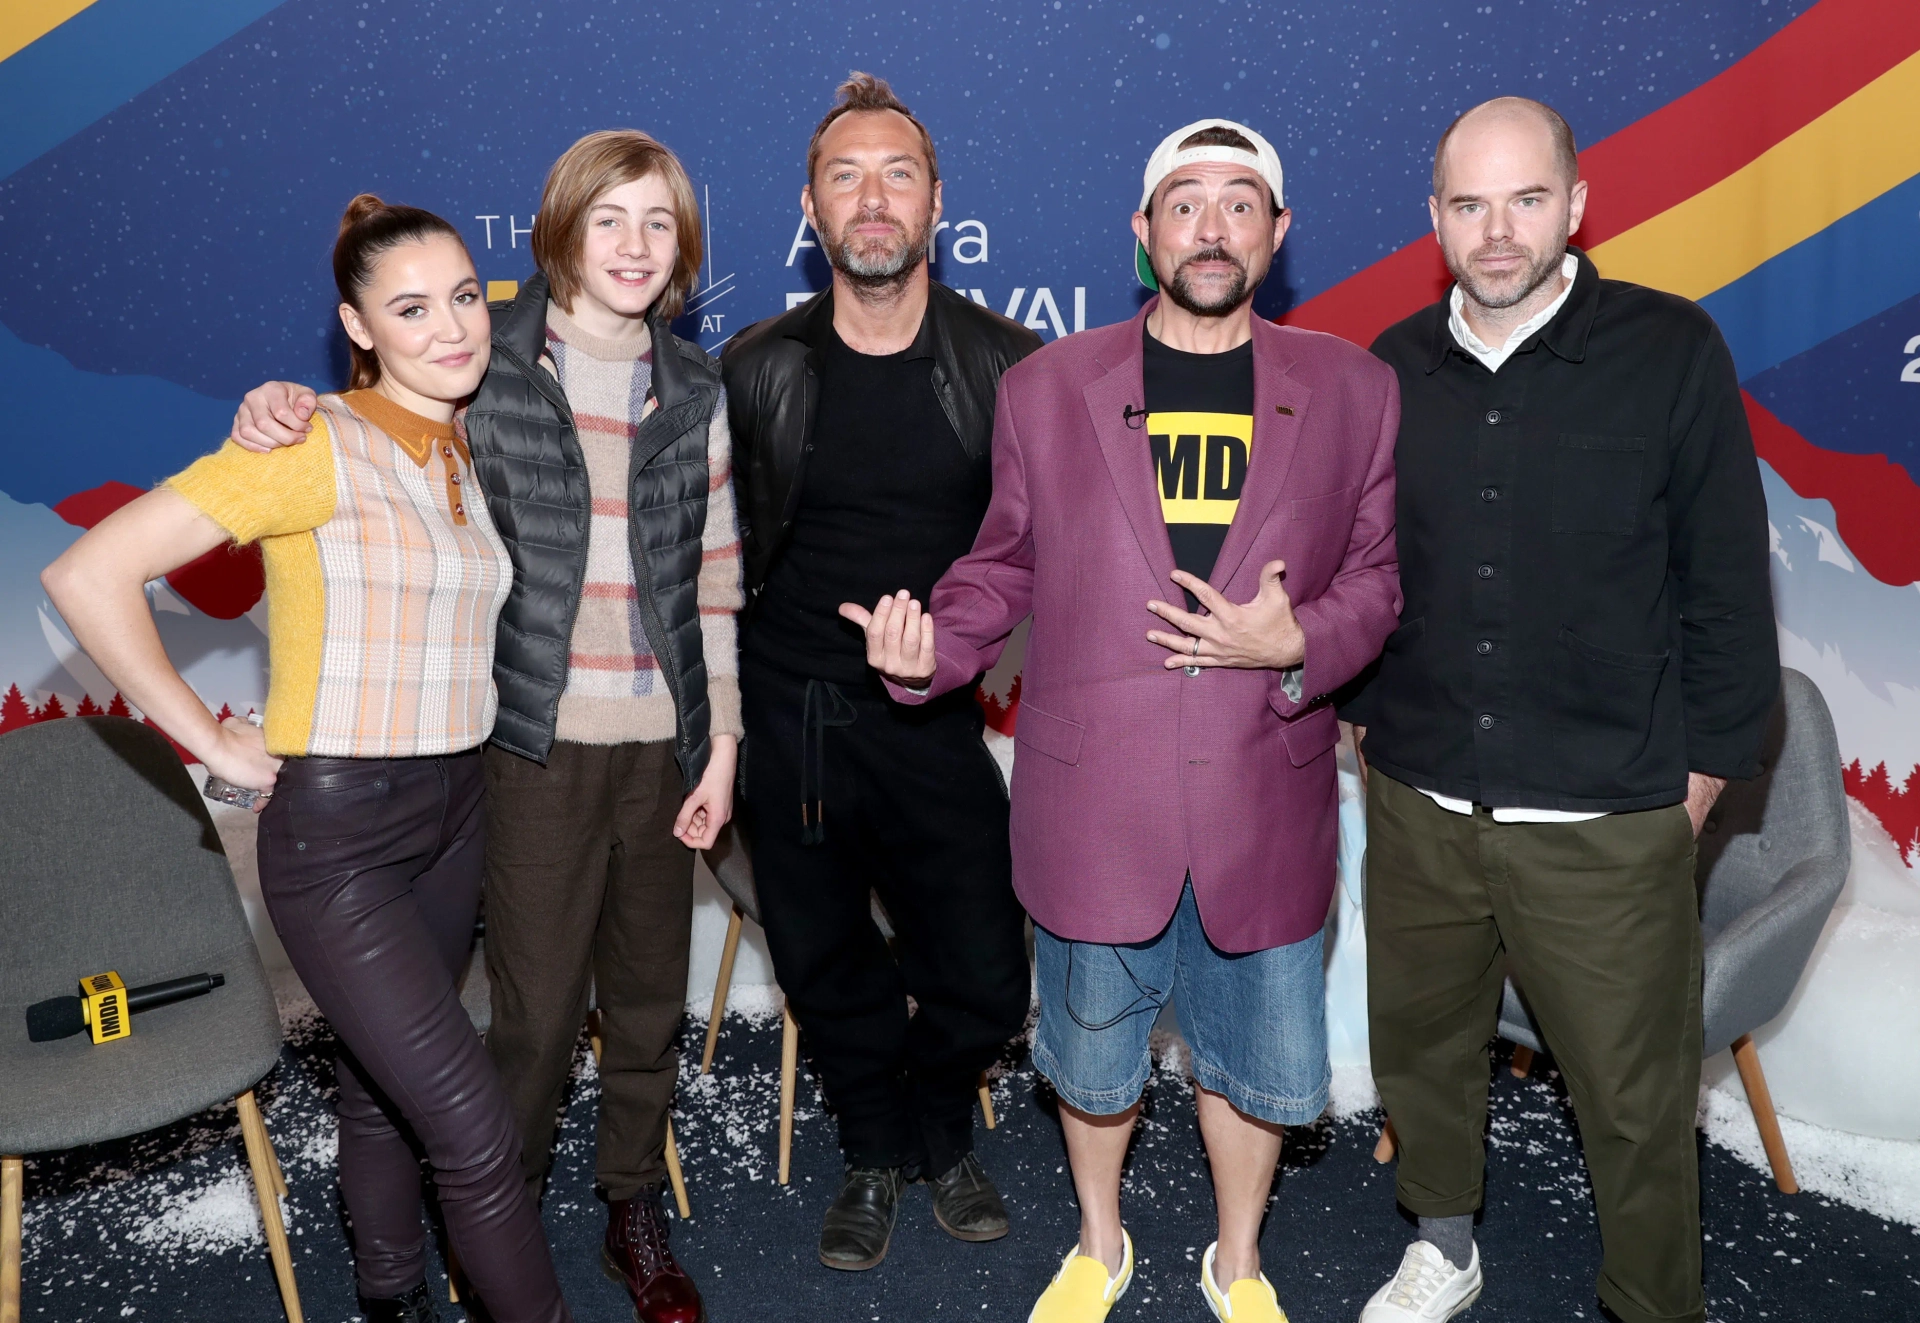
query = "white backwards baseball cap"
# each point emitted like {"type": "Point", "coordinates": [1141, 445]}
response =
{"type": "Point", "coordinates": [1170, 156]}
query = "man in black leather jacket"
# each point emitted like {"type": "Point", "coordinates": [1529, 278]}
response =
{"type": "Point", "coordinates": [862, 423]}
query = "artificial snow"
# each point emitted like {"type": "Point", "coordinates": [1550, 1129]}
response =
{"type": "Point", "coordinates": [210, 1219]}
{"type": "Point", "coordinates": [1878, 1176]}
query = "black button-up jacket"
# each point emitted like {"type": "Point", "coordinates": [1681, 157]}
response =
{"type": "Point", "coordinates": [1584, 555]}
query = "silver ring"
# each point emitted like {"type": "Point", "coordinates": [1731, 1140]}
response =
{"type": "Point", "coordinates": [1196, 646]}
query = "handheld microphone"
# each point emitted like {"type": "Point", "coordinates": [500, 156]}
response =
{"type": "Point", "coordinates": [1128, 413]}
{"type": "Point", "coordinates": [106, 1006]}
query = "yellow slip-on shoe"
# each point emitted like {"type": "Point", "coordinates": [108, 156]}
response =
{"type": "Point", "coordinates": [1246, 1301]}
{"type": "Point", "coordinates": [1081, 1292]}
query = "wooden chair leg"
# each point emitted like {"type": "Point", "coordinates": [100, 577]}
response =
{"type": "Point", "coordinates": [593, 1033]}
{"type": "Point", "coordinates": [453, 1277]}
{"type": "Point", "coordinates": [674, 1175]}
{"type": "Point", "coordinates": [721, 986]}
{"type": "Point", "coordinates": [789, 1068]}
{"type": "Point", "coordinates": [1754, 1080]}
{"type": "Point", "coordinates": [1522, 1061]}
{"type": "Point", "coordinates": [260, 1158]}
{"type": "Point", "coordinates": [1389, 1143]}
{"type": "Point", "coordinates": [986, 1101]}
{"type": "Point", "coordinates": [13, 1179]}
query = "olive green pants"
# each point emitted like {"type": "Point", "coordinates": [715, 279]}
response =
{"type": "Point", "coordinates": [1599, 924]}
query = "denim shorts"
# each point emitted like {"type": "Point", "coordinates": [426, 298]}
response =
{"type": "Point", "coordinates": [1256, 1023]}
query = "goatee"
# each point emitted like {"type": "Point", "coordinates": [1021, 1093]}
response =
{"type": "Point", "coordinates": [1230, 296]}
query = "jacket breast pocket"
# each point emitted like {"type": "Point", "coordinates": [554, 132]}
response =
{"type": "Point", "coordinates": [1596, 483]}
{"type": "Point", "coordinates": [1327, 505]}
{"type": "Point", "coordinates": [1045, 733]}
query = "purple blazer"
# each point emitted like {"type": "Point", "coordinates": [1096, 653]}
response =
{"type": "Point", "coordinates": [1129, 776]}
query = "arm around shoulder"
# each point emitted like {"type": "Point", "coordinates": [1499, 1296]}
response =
{"type": "Point", "coordinates": [254, 495]}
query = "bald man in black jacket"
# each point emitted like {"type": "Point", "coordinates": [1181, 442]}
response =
{"type": "Point", "coordinates": [1586, 656]}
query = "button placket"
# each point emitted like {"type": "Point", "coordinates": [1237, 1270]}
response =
{"type": "Point", "coordinates": [456, 500]}
{"type": "Point", "coordinates": [1499, 445]}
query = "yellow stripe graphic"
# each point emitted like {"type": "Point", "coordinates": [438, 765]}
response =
{"type": "Point", "coordinates": [1861, 148]}
{"type": "Point", "coordinates": [23, 22]}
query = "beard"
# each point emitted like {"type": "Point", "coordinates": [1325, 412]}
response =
{"type": "Point", "coordinates": [1214, 304]}
{"type": "Point", "coordinates": [1506, 291]}
{"type": "Point", "coordinates": [875, 261]}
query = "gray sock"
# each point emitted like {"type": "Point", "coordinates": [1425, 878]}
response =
{"type": "Point", "coordinates": [1452, 1236]}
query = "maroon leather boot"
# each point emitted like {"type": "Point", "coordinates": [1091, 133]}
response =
{"type": "Point", "coordinates": [636, 1255]}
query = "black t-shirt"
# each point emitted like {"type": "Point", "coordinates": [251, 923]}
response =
{"type": "Point", "coordinates": [889, 500]}
{"type": "Point", "coordinates": [1200, 433]}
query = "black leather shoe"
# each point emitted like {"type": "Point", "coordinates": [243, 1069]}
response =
{"type": "Point", "coordinates": [859, 1221]}
{"type": "Point", "coordinates": [416, 1306]}
{"type": "Point", "coordinates": [965, 1204]}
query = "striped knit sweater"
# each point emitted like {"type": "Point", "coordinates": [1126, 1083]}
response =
{"type": "Point", "coordinates": [615, 692]}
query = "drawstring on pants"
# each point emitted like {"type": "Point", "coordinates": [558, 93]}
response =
{"type": "Point", "coordinates": [825, 706]}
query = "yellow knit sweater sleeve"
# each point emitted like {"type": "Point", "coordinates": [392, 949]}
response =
{"type": "Point", "coordinates": [289, 490]}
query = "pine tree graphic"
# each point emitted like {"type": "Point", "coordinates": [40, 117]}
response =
{"type": "Point", "coordinates": [1897, 808]}
{"type": "Point", "coordinates": [14, 712]}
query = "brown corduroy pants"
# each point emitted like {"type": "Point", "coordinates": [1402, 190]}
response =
{"type": "Point", "coordinates": [588, 891]}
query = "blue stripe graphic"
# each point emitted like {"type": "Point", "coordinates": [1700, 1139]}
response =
{"type": "Point", "coordinates": [99, 60]}
{"type": "Point", "coordinates": [1862, 264]}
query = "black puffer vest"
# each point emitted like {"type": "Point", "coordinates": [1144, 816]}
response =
{"type": "Point", "coordinates": [534, 473]}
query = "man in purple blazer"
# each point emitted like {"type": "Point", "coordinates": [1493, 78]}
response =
{"type": "Point", "coordinates": [1174, 805]}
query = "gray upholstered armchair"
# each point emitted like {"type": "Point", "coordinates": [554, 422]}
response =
{"type": "Point", "coordinates": [1773, 857]}
{"type": "Point", "coordinates": [111, 860]}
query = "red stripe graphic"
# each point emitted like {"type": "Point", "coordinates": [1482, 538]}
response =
{"type": "Point", "coordinates": [1692, 142]}
{"type": "Point", "coordinates": [1876, 503]}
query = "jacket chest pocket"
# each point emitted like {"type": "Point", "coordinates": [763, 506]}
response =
{"type": "Point", "coordinates": [1596, 483]}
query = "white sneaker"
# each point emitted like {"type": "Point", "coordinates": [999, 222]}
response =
{"type": "Point", "coordinates": [1427, 1289]}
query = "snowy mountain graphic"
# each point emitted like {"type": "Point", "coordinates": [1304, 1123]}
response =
{"type": "Point", "coordinates": [224, 660]}
{"type": "Point", "coordinates": [1858, 639]}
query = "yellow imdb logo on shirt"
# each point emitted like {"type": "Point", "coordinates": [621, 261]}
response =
{"type": "Point", "coordinates": [1200, 464]}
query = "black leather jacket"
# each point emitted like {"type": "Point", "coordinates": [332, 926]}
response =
{"type": "Point", "coordinates": [772, 373]}
{"type": "Point", "coordinates": [534, 473]}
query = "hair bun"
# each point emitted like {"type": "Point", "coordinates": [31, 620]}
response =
{"type": "Point", "coordinates": [363, 207]}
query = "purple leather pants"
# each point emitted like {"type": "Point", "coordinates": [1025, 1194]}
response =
{"type": "Point", "coordinates": [371, 870]}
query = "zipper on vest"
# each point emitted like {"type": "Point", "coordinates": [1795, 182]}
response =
{"type": "Point", "coordinates": [577, 458]}
{"type": "Point", "coordinates": [650, 618]}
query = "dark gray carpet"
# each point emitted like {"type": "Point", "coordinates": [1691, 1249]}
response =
{"type": "Point", "coordinates": [160, 1227]}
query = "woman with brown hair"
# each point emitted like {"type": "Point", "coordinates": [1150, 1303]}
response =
{"type": "Point", "coordinates": [600, 439]}
{"type": "Point", "coordinates": [384, 585]}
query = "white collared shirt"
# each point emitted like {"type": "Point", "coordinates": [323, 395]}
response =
{"type": "Point", "coordinates": [1493, 358]}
